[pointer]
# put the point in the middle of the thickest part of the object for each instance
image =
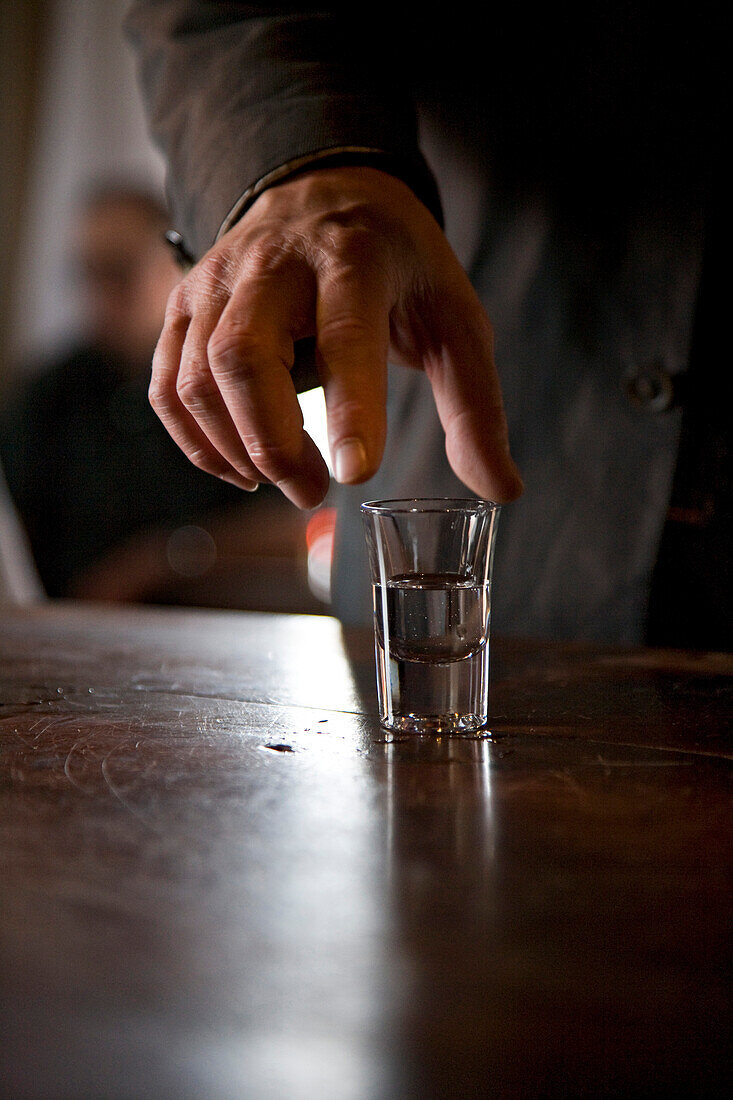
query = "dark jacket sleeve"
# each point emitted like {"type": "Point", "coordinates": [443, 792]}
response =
{"type": "Point", "coordinates": [236, 93]}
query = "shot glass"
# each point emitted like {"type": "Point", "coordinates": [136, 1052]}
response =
{"type": "Point", "coordinates": [431, 563]}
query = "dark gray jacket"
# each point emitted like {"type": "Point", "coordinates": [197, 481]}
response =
{"type": "Point", "coordinates": [572, 153]}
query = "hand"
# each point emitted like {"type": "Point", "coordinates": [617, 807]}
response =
{"type": "Point", "coordinates": [351, 257]}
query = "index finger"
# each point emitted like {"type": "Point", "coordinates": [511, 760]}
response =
{"type": "Point", "coordinates": [250, 355]}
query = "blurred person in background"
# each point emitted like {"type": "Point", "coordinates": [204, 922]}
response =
{"type": "Point", "coordinates": [111, 507]}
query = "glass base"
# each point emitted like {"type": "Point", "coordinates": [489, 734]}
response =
{"type": "Point", "coordinates": [443, 725]}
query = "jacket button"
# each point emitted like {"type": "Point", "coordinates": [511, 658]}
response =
{"type": "Point", "coordinates": [651, 387]}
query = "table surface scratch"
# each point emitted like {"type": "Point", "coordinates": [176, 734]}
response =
{"type": "Point", "coordinates": [221, 878]}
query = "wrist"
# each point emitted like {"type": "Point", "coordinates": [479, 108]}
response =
{"type": "Point", "coordinates": [416, 175]}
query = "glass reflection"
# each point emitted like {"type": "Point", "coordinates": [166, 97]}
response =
{"type": "Point", "coordinates": [438, 799]}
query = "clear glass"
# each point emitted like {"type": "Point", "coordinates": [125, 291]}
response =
{"type": "Point", "coordinates": [431, 562]}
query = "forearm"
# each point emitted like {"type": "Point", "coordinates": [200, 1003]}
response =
{"type": "Point", "coordinates": [237, 100]}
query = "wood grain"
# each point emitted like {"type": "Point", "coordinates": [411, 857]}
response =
{"type": "Point", "coordinates": [218, 878]}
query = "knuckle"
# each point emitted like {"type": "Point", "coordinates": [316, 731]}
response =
{"type": "Point", "coordinates": [348, 410]}
{"type": "Point", "coordinates": [158, 395]}
{"type": "Point", "coordinates": [276, 458]}
{"type": "Point", "coordinates": [206, 288]}
{"type": "Point", "coordinates": [202, 458]}
{"type": "Point", "coordinates": [355, 260]}
{"type": "Point", "coordinates": [178, 312]}
{"type": "Point", "coordinates": [355, 237]}
{"type": "Point", "coordinates": [353, 218]}
{"type": "Point", "coordinates": [213, 274]}
{"type": "Point", "coordinates": [194, 390]}
{"type": "Point", "coordinates": [234, 349]}
{"type": "Point", "coordinates": [274, 256]}
{"type": "Point", "coordinates": [345, 328]}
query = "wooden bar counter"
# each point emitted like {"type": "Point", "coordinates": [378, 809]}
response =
{"type": "Point", "coordinates": [219, 879]}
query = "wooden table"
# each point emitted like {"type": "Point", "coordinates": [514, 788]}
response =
{"type": "Point", "coordinates": [219, 880]}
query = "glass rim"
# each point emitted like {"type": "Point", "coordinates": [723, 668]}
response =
{"type": "Point", "coordinates": [429, 504]}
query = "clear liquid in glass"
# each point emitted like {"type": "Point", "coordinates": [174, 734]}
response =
{"type": "Point", "coordinates": [433, 657]}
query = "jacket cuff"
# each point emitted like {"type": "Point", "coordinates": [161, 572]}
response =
{"type": "Point", "coordinates": [416, 175]}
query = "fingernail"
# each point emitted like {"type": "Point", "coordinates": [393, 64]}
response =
{"type": "Point", "coordinates": [350, 461]}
